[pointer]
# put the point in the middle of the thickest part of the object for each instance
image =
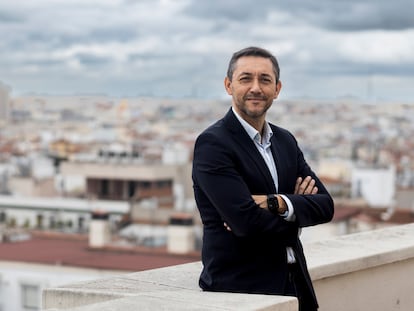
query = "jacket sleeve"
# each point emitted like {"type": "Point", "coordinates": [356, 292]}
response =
{"type": "Point", "coordinates": [311, 209]}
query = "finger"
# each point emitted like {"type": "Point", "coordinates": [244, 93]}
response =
{"type": "Point", "coordinates": [298, 182]}
{"type": "Point", "coordinates": [310, 186]}
{"type": "Point", "coordinates": [314, 190]}
{"type": "Point", "coordinates": [304, 185]}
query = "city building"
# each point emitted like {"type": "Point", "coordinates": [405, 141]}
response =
{"type": "Point", "coordinates": [30, 265]}
{"type": "Point", "coordinates": [107, 182]}
{"type": "Point", "coordinates": [4, 102]}
{"type": "Point", "coordinates": [126, 177]}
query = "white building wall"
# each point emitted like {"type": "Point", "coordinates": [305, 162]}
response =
{"type": "Point", "coordinates": [376, 186]}
{"type": "Point", "coordinates": [15, 275]}
{"type": "Point", "coordinates": [29, 217]}
{"type": "Point", "coordinates": [176, 153]}
{"type": "Point", "coordinates": [24, 211]}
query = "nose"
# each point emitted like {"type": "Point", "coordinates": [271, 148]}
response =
{"type": "Point", "coordinates": [255, 87]}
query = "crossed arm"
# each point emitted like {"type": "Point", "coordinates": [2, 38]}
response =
{"type": "Point", "coordinates": [303, 186]}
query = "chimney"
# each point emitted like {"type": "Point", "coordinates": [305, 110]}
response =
{"type": "Point", "coordinates": [180, 237]}
{"type": "Point", "coordinates": [99, 231]}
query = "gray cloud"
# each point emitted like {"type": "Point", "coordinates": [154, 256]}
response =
{"type": "Point", "coordinates": [89, 59]}
{"type": "Point", "coordinates": [182, 47]}
{"type": "Point", "coordinates": [362, 15]}
{"type": "Point", "coordinates": [230, 10]}
{"type": "Point", "coordinates": [10, 17]}
{"type": "Point", "coordinates": [353, 15]}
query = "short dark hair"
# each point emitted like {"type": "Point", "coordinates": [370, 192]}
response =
{"type": "Point", "coordinates": [253, 51]}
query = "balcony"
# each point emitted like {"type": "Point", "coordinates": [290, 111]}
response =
{"type": "Point", "coordinates": [365, 271]}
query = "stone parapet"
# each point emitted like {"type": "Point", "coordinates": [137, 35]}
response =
{"type": "Point", "coordinates": [364, 271]}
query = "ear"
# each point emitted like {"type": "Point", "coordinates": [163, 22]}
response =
{"type": "Point", "coordinates": [278, 88]}
{"type": "Point", "coordinates": [227, 86]}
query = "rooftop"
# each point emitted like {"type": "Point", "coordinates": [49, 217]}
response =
{"type": "Point", "coordinates": [73, 250]}
{"type": "Point", "coordinates": [67, 204]}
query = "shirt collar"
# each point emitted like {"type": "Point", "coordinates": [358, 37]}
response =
{"type": "Point", "coordinates": [252, 132]}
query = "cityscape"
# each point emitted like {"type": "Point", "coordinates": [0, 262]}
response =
{"type": "Point", "coordinates": [100, 106]}
{"type": "Point", "coordinates": [94, 186]}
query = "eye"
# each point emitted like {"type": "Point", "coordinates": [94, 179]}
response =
{"type": "Point", "coordinates": [245, 79]}
{"type": "Point", "coordinates": [266, 80]}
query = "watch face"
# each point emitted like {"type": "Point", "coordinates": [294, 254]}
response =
{"type": "Point", "coordinates": [272, 204]}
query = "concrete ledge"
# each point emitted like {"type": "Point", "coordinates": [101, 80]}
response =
{"type": "Point", "coordinates": [356, 262]}
{"type": "Point", "coordinates": [172, 288]}
{"type": "Point", "coordinates": [190, 300]}
{"type": "Point", "coordinates": [365, 271]}
{"type": "Point", "coordinates": [360, 251]}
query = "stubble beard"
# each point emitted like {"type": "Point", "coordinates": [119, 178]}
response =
{"type": "Point", "coordinates": [253, 114]}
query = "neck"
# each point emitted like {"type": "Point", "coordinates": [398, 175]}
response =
{"type": "Point", "coordinates": [257, 123]}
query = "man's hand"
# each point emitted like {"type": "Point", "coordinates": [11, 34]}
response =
{"type": "Point", "coordinates": [305, 186]}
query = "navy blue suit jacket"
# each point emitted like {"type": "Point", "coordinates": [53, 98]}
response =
{"type": "Point", "coordinates": [227, 170]}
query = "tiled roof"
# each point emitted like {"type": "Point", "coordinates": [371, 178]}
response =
{"type": "Point", "coordinates": [344, 213]}
{"type": "Point", "coordinates": [373, 215]}
{"type": "Point", "coordinates": [74, 251]}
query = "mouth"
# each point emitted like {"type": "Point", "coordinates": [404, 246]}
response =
{"type": "Point", "coordinates": [255, 98]}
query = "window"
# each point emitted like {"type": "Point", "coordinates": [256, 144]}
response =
{"type": "Point", "coordinates": [39, 221]}
{"type": "Point", "coordinates": [105, 187]}
{"type": "Point", "coordinates": [81, 223]}
{"type": "Point", "coordinates": [2, 217]}
{"type": "Point", "coordinates": [164, 183]}
{"type": "Point", "coordinates": [131, 189]}
{"type": "Point", "coordinates": [52, 222]}
{"type": "Point", "coordinates": [30, 296]}
{"type": "Point", "coordinates": [145, 184]}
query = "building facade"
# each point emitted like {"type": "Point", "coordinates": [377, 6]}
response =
{"type": "Point", "coordinates": [4, 102]}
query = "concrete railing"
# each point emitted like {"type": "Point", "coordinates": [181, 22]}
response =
{"type": "Point", "coordinates": [366, 271]}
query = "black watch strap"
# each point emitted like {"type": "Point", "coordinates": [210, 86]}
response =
{"type": "Point", "coordinates": [272, 204]}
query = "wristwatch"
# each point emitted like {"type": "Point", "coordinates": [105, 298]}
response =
{"type": "Point", "coordinates": [272, 204]}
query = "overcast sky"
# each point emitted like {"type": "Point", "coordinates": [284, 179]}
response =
{"type": "Point", "coordinates": [181, 48]}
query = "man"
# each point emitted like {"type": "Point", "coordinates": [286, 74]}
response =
{"type": "Point", "coordinates": [254, 191]}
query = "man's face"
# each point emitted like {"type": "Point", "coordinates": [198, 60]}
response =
{"type": "Point", "coordinates": [253, 86]}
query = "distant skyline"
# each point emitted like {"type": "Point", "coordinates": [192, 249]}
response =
{"type": "Point", "coordinates": [180, 48]}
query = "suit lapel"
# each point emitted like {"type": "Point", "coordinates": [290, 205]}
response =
{"type": "Point", "coordinates": [276, 157]}
{"type": "Point", "coordinates": [250, 149]}
{"type": "Point", "coordinates": [280, 161]}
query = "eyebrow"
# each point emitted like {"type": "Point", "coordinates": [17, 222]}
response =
{"type": "Point", "coordinates": [250, 74]}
